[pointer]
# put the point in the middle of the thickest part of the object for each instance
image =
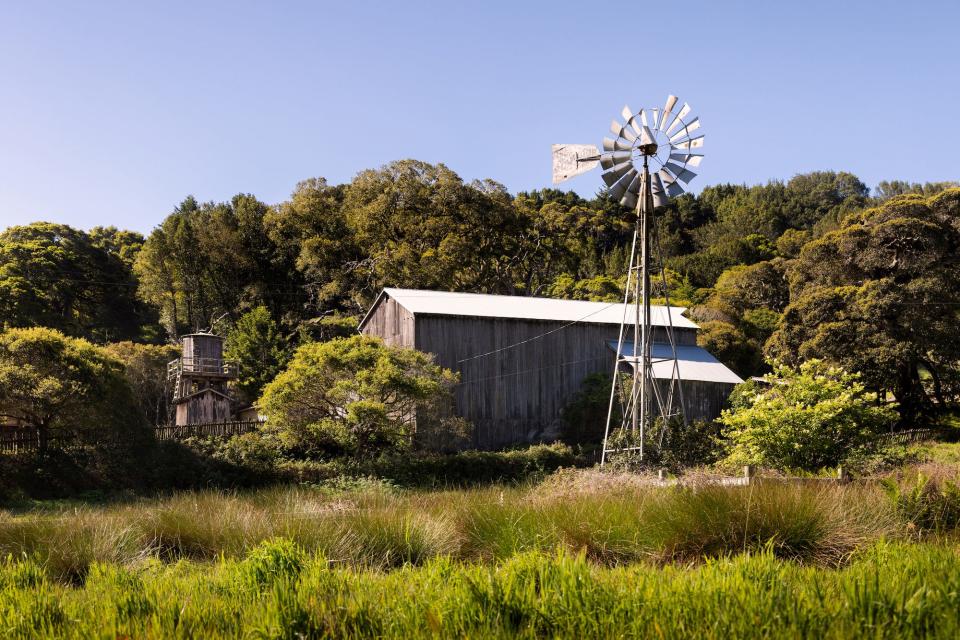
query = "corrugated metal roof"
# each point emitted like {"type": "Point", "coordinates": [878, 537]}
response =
{"type": "Point", "coordinates": [420, 301]}
{"type": "Point", "coordinates": [695, 363]}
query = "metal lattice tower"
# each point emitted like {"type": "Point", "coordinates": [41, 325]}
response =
{"type": "Point", "coordinates": [666, 140]}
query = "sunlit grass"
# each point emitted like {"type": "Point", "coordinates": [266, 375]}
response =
{"type": "Point", "coordinates": [281, 591]}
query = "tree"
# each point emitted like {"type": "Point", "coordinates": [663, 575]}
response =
{"type": "Point", "coordinates": [145, 369]}
{"type": "Point", "coordinates": [56, 276]}
{"type": "Point", "coordinates": [881, 296]}
{"type": "Point", "coordinates": [808, 418]}
{"type": "Point", "coordinates": [57, 383]}
{"type": "Point", "coordinates": [207, 260]}
{"type": "Point", "coordinates": [730, 345]}
{"type": "Point", "coordinates": [256, 342]}
{"type": "Point", "coordinates": [887, 189]}
{"type": "Point", "coordinates": [311, 236]}
{"type": "Point", "coordinates": [354, 395]}
{"type": "Point", "coordinates": [421, 226]}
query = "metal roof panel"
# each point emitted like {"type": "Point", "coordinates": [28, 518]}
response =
{"type": "Point", "coordinates": [420, 301]}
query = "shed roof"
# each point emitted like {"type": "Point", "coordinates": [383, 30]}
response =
{"type": "Point", "coordinates": [695, 363]}
{"type": "Point", "coordinates": [421, 301]}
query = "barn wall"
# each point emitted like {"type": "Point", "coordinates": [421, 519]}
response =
{"type": "Point", "coordinates": [391, 322]}
{"type": "Point", "coordinates": [516, 395]}
{"type": "Point", "coordinates": [703, 400]}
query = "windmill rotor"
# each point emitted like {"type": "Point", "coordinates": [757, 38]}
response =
{"type": "Point", "coordinates": [662, 136]}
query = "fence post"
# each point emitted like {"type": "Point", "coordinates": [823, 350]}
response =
{"type": "Point", "coordinates": [748, 472]}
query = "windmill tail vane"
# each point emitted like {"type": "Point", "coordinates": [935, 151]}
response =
{"type": "Point", "coordinates": [650, 159]}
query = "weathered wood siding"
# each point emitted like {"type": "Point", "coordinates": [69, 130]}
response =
{"type": "Point", "coordinates": [392, 322]}
{"type": "Point", "coordinates": [703, 400]}
{"type": "Point", "coordinates": [206, 406]}
{"type": "Point", "coordinates": [516, 395]}
{"type": "Point", "coordinates": [207, 347]}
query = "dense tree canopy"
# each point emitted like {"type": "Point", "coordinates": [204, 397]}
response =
{"type": "Point", "coordinates": [881, 296]}
{"type": "Point", "coordinates": [55, 276]}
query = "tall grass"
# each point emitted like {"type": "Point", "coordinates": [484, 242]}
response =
{"type": "Point", "coordinates": [281, 591]}
{"type": "Point", "coordinates": [612, 520]}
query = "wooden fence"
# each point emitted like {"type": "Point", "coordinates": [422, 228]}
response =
{"type": "Point", "coordinates": [208, 430]}
{"type": "Point", "coordinates": [918, 435]}
{"type": "Point", "coordinates": [20, 439]}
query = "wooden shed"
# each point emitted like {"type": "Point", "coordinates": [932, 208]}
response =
{"type": "Point", "coordinates": [521, 359]}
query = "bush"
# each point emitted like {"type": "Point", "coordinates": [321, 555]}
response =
{"type": "Point", "coordinates": [355, 395]}
{"type": "Point", "coordinates": [807, 418]}
{"type": "Point", "coordinates": [60, 384]}
{"type": "Point", "coordinates": [585, 415]}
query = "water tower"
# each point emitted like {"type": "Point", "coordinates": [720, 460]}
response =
{"type": "Point", "coordinates": [200, 378]}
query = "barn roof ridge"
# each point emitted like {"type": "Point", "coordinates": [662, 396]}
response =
{"type": "Point", "coordinates": [484, 305]}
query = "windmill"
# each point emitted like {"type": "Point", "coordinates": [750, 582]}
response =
{"type": "Point", "coordinates": [644, 165]}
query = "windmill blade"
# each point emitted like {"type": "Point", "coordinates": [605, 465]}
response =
{"type": "Point", "coordinates": [683, 175]}
{"type": "Point", "coordinates": [655, 118]}
{"type": "Point", "coordinates": [667, 108]}
{"type": "Point", "coordinates": [643, 118]}
{"type": "Point", "coordinates": [674, 189]}
{"type": "Point", "coordinates": [670, 183]}
{"type": "Point", "coordinates": [647, 137]}
{"type": "Point", "coordinates": [621, 131]}
{"type": "Point", "coordinates": [689, 159]}
{"type": "Point", "coordinates": [617, 172]}
{"type": "Point", "coordinates": [571, 160]}
{"type": "Point", "coordinates": [692, 143]}
{"type": "Point", "coordinates": [610, 144]}
{"type": "Point", "coordinates": [629, 200]}
{"type": "Point", "coordinates": [684, 112]}
{"type": "Point", "coordinates": [656, 188]}
{"type": "Point", "coordinates": [626, 113]}
{"type": "Point", "coordinates": [608, 160]}
{"type": "Point", "coordinates": [692, 126]}
{"type": "Point", "coordinates": [622, 185]}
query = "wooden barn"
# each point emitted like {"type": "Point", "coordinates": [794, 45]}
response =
{"type": "Point", "coordinates": [522, 359]}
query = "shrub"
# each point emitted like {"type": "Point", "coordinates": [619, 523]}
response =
{"type": "Point", "coordinates": [354, 395]}
{"type": "Point", "coordinates": [806, 418]}
{"type": "Point", "coordinates": [585, 415]}
{"type": "Point", "coordinates": [58, 383]}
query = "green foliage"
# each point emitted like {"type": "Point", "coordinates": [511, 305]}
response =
{"type": "Point", "coordinates": [329, 327]}
{"type": "Point", "coordinates": [694, 444]}
{"type": "Point", "coordinates": [273, 560]}
{"type": "Point", "coordinates": [730, 345]}
{"type": "Point", "coordinates": [585, 415]}
{"type": "Point", "coordinates": [145, 369]}
{"type": "Point", "coordinates": [807, 418]}
{"type": "Point", "coordinates": [54, 382]}
{"type": "Point", "coordinates": [887, 189]}
{"type": "Point", "coordinates": [879, 296]}
{"type": "Point", "coordinates": [256, 343]}
{"type": "Point", "coordinates": [355, 395]}
{"type": "Point", "coordinates": [891, 591]}
{"type": "Point", "coordinates": [928, 505]}
{"type": "Point", "coordinates": [56, 276]}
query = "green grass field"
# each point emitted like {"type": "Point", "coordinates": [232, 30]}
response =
{"type": "Point", "coordinates": [581, 554]}
{"type": "Point", "coordinates": [887, 591]}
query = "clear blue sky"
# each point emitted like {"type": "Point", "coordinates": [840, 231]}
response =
{"type": "Point", "coordinates": [111, 113]}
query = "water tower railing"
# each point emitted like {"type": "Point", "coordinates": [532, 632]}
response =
{"type": "Point", "coordinates": [203, 366]}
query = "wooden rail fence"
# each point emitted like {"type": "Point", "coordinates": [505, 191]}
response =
{"type": "Point", "coordinates": [20, 439]}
